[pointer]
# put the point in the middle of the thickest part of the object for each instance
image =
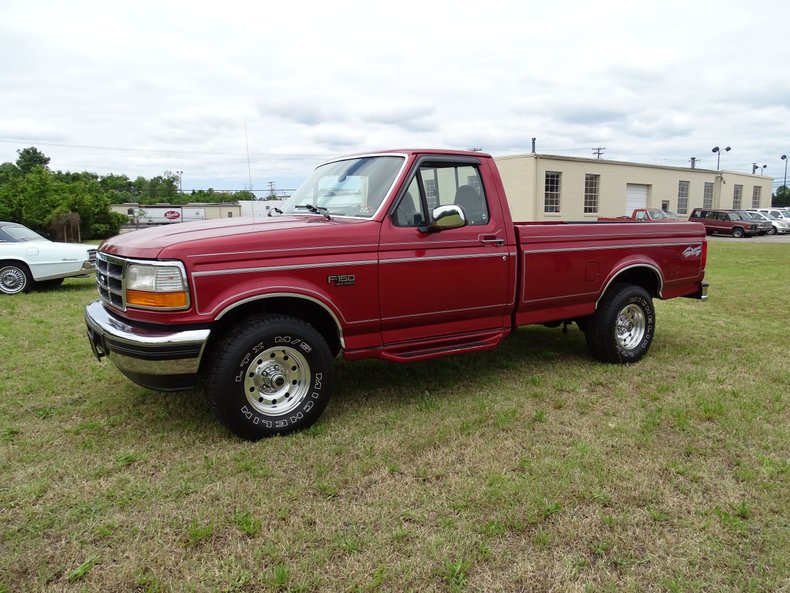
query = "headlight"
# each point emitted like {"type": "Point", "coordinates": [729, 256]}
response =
{"type": "Point", "coordinates": [156, 286]}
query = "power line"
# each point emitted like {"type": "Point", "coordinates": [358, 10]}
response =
{"type": "Point", "coordinates": [29, 142]}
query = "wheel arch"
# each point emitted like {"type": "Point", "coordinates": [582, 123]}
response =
{"type": "Point", "coordinates": [306, 308]}
{"type": "Point", "coordinates": [646, 275]}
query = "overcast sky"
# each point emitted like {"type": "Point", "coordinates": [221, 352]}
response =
{"type": "Point", "coordinates": [139, 88]}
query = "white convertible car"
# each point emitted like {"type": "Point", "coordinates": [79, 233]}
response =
{"type": "Point", "coordinates": [27, 259]}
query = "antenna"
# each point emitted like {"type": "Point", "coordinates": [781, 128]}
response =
{"type": "Point", "coordinates": [247, 143]}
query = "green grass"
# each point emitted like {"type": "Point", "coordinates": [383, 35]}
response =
{"type": "Point", "coordinates": [531, 467]}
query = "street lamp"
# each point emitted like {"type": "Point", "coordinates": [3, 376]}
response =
{"type": "Point", "coordinates": [180, 173]}
{"type": "Point", "coordinates": [717, 150]}
{"type": "Point", "coordinates": [784, 158]}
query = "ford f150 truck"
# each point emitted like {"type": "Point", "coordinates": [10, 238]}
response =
{"type": "Point", "coordinates": [401, 255]}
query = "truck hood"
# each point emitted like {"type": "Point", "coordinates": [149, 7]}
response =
{"type": "Point", "coordinates": [236, 234]}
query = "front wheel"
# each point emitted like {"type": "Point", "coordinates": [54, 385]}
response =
{"type": "Point", "coordinates": [270, 375]}
{"type": "Point", "coordinates": [621, 329]}
{"type": "Point", "coordinates": [737, 232]}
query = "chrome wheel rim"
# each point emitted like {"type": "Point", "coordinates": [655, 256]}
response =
{"type": "Point", "coordinates": [277, 381]}
{"type": "Point", "coordinates": [631, 327]}
{"type": "Point", "coordinates": [12, 280]}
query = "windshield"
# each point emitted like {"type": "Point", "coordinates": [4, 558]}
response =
{"type": "Point", "coordinates": [17, 233]}
{"type": "Point", "coordinates": [353, 187]}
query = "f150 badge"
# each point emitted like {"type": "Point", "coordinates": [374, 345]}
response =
{"type": "Point", "coordinates": [341, 279]}
{"type": "Point", "coordinates": [694, 251]}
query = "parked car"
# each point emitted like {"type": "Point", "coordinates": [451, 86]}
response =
{"type": "Point", "coordinates": [780, 213]}
{"type": "Point", "coordinates": [779, 226]}
{"type": "Point", "coordinates": [764, 225]}
{"type": "Point", "coordinates": [27, 259]}
{"type": "Point", "coordinates": [724, 221]}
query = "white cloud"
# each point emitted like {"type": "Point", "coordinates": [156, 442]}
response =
{"type": "Point", "coordinates": [154, 86]}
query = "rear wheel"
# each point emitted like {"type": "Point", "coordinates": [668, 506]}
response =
{"type": "Point", "coordinates": [621, 329]}
{"type": "Point", "coordinates": [14, 278]}
{"type": "Point", "coordinates": [270, 375]}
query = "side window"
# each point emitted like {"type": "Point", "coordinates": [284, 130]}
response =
{"type": "Point", "coordinates": [409, 210]}
{"type": "Point", "coordinates": [443, 184]}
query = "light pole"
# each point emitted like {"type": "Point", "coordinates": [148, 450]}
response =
{"type": "Point", "coordinates": [784, 184]}
{"type": "Point", "coordinates": [718, 150]}
{"type": "Point", "coordinates": [180, 173]}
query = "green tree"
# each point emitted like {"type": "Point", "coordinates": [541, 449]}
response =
{"type": "Point", "coordinates": [31, 157]}
{"type": "Point", "coordinates": [781, 197]}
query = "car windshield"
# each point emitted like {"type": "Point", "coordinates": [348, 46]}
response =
{"type": "Point", "coordinates": [16, 233]}
{"type": "Point", "coordinates": [351, 187]}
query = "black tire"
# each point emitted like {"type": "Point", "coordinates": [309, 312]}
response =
{"type": "Point", "coordinates": [621, 329]}
{"type": "Point", "coordinates": [771, 231]}
{"type": "Point", "coordinates": [14, 278]}
{"type": "Point", "coordinates": [737, 232]}
{"type": "Point", "coordinates": [269, 375]}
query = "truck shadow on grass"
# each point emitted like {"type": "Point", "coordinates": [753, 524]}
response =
{"type": "Point", "coordinates": [365, 385]}
{"type": "Point", "coordinates": [524, 353]}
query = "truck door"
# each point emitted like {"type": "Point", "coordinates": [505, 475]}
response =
{"type": "Point", "coordinates": [455, 281]}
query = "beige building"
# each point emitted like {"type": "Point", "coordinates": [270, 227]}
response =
{"type": "Point", "coordinates": [546, 187]}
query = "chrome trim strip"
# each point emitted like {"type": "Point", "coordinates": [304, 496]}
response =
{"type": "Point", "coordinates": [441, 258]}
{"type": "Point", "coordinates": [271, 252]}
{"type": "Point", "coordinates": [283, 268]}
{"type": "Point", "coordinates": [525, 250]}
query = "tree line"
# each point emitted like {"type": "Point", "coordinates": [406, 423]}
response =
{"type": "Point", "coordinates": [76, 206]}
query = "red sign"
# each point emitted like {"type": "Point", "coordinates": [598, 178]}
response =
{"type": "Point", "coordinates": [172, 215]}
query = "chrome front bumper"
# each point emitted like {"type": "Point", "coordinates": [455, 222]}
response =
{"type": "Point", "coordinates": [156, 359]}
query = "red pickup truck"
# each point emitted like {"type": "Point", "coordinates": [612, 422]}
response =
{"type": "Point", "coordinates": [402, 255]}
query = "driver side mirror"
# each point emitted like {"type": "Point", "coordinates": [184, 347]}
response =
{"type": "Point", "coordinates": [445, 218]}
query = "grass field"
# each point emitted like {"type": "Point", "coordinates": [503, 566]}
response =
{"type": "Point", "coordinates": [528, 468]}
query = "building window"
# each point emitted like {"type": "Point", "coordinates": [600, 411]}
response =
{"type": "Point", "coordinates": [683, 197]}
{"type": "Point", "coordinates": [756, 192]}
{"type": "Point", "coordinates": [707, 195]}
{"type": "Point", "coordinates": [737, 197]}
{"type": "Point", "coordinates": [551, 203]}
{"type": "Point", "coordinates": [591, 183]}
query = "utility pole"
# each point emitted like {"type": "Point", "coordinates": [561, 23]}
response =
{"type": "Point", "coordinates": [598, 151]}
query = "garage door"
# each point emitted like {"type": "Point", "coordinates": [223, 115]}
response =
{"type": "Point", "coordinates": [635, 197]}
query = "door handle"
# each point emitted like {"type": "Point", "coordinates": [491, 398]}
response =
{"type": "Point", "coordinates": [491, 240]}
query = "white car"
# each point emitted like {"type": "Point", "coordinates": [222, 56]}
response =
{"type": "Point", "coordinates": [27, 258]}
{"type": "Point", "coordinates": [779, 219]}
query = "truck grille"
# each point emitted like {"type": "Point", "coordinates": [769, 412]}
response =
{"type": "Point", "coordinates": [109, 280]}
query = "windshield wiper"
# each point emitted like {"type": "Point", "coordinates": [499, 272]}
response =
{"type": "Point", "coordinates": [315, 210]}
